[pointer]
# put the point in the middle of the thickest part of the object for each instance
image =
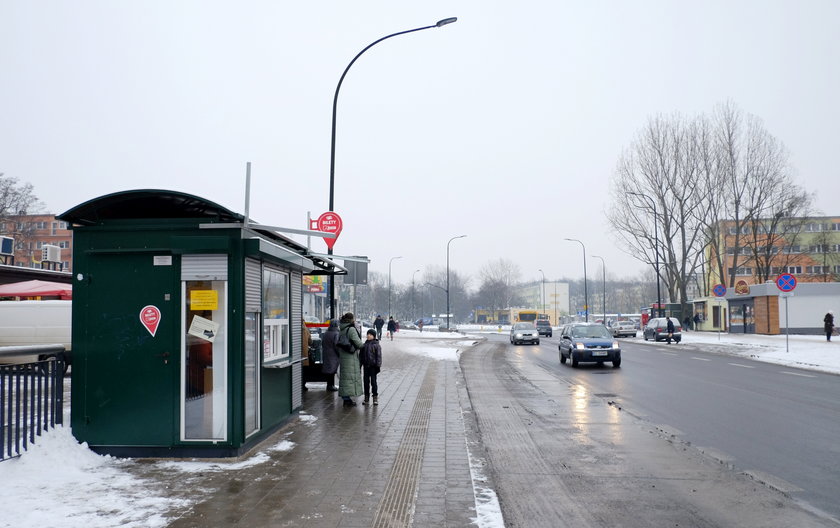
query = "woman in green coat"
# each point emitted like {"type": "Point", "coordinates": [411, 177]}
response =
{"type": "Point", "coordinates": [350, 376]}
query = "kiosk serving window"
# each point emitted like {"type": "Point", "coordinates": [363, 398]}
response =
{"type": "Point", "coordinates": [204, 347]}
{"type": "Point", "coordinates": [275, 317]}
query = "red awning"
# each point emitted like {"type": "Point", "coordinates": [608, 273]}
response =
{"type": "Point", "coordinates": [37, 288]}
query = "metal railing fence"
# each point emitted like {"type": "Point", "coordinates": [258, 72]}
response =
{"type": "Point", "coordinates": [31, 396]}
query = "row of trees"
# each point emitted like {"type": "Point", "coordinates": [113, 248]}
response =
{"type": "Point", "coordinates": [683, 180]}
{"type": "Point", "coordinates": [497, 286]}
{"type": "Point", "coordinates": [16, 199]}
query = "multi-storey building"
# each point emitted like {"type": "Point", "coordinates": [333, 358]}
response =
{"type": "Point", "coordinates": [32, 233]}
{"type": "Point", "coordinates": [806, 247]}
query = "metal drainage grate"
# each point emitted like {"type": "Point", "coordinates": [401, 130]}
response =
{"type": "Point", "coordinates": [397, 504]}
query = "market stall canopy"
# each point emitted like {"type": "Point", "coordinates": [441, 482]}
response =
{"type": "Point", "coordinates": [37, 288]}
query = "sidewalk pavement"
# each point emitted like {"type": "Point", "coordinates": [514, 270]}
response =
{"type": "Point", "coordinates": [404, 462]}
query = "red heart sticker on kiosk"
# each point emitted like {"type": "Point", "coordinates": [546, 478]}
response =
{"type": "Point", "coordinates": [150, 317]}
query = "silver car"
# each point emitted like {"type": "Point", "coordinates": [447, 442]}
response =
{"type": "Point", "coordinates": [522, 332]}
{"type": "Point", "coordinates": [623, 327]}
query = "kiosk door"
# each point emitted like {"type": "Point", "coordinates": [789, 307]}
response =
{"type": "Point", "coordinates": [129, 353]}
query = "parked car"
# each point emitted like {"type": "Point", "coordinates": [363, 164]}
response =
{"type": "Point", "coordinates": [520, 332]}
{"type": "Point", "coordinates": [657, 329]}
{"type": "Point", "coordinates": [588, 343]}
{"type": "Point", "coordinates": [544, 328]}
{"type": "Point", "coordinates": [622, 328]}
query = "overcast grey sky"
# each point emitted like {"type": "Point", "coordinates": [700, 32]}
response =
{"type": "Point", "coordinates": [505, 126]}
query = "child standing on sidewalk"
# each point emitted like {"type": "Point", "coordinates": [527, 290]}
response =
{"type": "Point", "coordinates": [370, 356]}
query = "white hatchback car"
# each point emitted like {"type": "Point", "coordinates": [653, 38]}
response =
{"type": "Point", "coordinates": [521, 332]}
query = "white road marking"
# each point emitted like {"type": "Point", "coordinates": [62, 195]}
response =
{"type": "Point", "coordinates": [739, 365]}
{"type": "Point", "coordinates": [700, 359]}
{"type": "Point", "coordinates": [671, 353]}
{"type": "Point", "coordinates": [797, 374]}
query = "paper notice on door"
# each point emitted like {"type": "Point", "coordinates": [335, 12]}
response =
{"type": "Point", "coordinates": [203, 328]}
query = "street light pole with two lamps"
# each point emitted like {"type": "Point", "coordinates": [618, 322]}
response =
{"type": "Point", "coordinates": [604, 270]}
{"type": "Point", "coordinates": [389, 283]}
{"type": "Point", "coordinates": [447, 278]}
{"type": "Point", "coordinates": [585, 290]}
{"type": "Point", "coordinates": [439, 23]}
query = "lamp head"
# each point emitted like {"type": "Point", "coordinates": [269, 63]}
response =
{"type": "Point", "coordinates": [441, 23]}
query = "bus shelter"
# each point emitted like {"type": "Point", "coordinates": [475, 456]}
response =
{"type": "Point", "coordinates": [186, 326]}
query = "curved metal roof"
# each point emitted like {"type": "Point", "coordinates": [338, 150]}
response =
{"type": "Point", "coordinates": [147, 203]}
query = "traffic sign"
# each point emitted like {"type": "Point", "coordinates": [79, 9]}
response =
{"type": "Point", "coordinates": [786, 282]}
{"type": "Point", "coordinates": [328, 222]}
{"type": "Point", "coordinates": [719, 290]}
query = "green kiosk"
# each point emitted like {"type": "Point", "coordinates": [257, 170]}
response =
{"type": "Point", "coordinates": [186, 326]}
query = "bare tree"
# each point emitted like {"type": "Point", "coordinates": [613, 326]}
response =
{"type": "Point", "coordinates": [17, 200]}
{"type": "Point", "coordinates": [498, 288]}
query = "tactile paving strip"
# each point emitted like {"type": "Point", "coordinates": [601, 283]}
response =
{"type": "Point", "coordinates": [397, 504]}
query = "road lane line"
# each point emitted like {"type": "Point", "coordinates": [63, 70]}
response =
{"type": "Point", "coordinates": [797, 374]}
{"type": "Point", "coordinates": [670, 354]}
{"type": "Point", "coordinates": [700, 359]}
{"type": "Point", "coordinates": [739, 365]}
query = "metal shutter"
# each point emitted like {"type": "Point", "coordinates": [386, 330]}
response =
{"type": "Point", "coordinates": [204, 267]}
{"type": "Point", "coordinates": [253, 285]}
{"type": "Point", "coordinates": [296, 313]}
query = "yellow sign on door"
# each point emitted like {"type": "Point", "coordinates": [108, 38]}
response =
{"type": "Point", "coordinates": [204, 300]}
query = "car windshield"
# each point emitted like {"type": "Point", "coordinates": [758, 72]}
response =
{"type": "Point", "coordinates": [593, 331]}
{"type": "Point", "coordinates": [524, 326]}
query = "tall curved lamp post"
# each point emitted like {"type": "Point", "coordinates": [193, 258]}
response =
{"type": "Point", "coordinates": [655, 248]}
{"type": "Point", "coordinates": [389, 283]}
{"type": "Point", "coordinates": [604, 274]}
{"type": "Point", "coordinates": [413, 303]}
{"type": "Point", "coordinates": [439, 23]}
{"type": "Point", "coordinates": [585, 291]}
{"type": "Point", "coordinates": [543, 289]}
{"type": "Point", "coordinates": [447, 278]}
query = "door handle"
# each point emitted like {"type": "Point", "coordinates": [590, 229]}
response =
{"type": "Point", "coordinates": [165, 357]}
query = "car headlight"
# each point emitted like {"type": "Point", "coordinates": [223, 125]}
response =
{"type": "Point", "coordinates": [518, 335]}
{"type": "Point", "coordinates": [615, 345]}
{"type": "Point", "coordinates": [580, 346]}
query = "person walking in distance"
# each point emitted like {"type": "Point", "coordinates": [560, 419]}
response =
{"type": "Point", "coordinates": [330, 354]}
{"type": "Point", "coordinates": [828, 320]}
{"type": "Point", "coordinates": [378, 323]}
{"type": "Point", "coordinates": [350, 377]}
{"type": "Point", "coordinates": [370, 356]}
{"type": "Point", "coordinates": [670, 329]}
{"type": "Point", "coordinates": [392, 327]}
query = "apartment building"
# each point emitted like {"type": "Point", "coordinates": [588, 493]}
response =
{"type": "Point", "coordinates": [31, 233]}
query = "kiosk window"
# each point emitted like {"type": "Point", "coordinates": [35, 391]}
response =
{"type": "Point", "coordinates": [275, 316]}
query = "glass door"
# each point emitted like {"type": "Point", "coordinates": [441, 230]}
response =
{"type": "Point", "coordinates": [204, 360]}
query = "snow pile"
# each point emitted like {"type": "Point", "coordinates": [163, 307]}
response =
{"type": "Point", "coordinates": [803, 351]}
{"type": "Point", "coordinates": [60, 483]}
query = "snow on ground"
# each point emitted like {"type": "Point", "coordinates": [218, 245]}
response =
{"type": "Point", "coordinates": [435, 345]}
{"type": "Point", "coordinates": [61, 483]}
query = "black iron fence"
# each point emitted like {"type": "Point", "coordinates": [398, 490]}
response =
{"type": "Point", "coordinates": [31, 395]}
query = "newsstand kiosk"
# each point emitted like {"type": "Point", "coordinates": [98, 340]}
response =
{"type": "Point", "coordinates": [186, 326]}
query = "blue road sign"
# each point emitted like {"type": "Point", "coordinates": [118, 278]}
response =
{"type": "Point", "coordinates": [719, 290]}
{"type": "Point", "coordinates": [786, 282]}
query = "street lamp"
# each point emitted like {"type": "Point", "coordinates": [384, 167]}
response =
{"type": "Point", "coordinates": [432, 297]}
{"type": "Point", "coordinates": [655, 249]}
{"type": "Point", "coordinates": [447, 278]}
{"type": "Point", "coordinates": [585, 291]}
{"type": "Point", "coordinates": [439, 23]}
{"type": "Point", "coordinates": [543, 290]}
{"type": "Point", "coordinates": [389, 283]}
{"type": "Point", "coordinates": [604, 269]}
{"type": "Point", "coordinates": [413, 304]}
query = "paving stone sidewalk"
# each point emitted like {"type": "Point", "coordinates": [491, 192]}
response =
{"type": "Point", "coordinates": [402, 463]}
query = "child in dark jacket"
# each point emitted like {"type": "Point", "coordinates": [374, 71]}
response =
{"type": "Point", "coordinates": [370, 356]}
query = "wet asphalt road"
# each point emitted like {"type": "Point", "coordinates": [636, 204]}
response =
{"type": "Point", "coordinates": [780, 424]}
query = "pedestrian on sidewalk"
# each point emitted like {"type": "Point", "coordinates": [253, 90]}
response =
{"type": "Point", "coordinates": [350, 377]}
{"type": "Point", "coordinates": [670, 329]}
{"type": "Point", "coordinates": [420, 325]}
{"type": "Point", "coordinates": [392, 327]}
{"type": "Point", "coordinates": [378, 323]}
{"type": "Point", "coordinates": [331, 358]}
{"type": "Point", "coordinates": [306, 336]}
{"type": "Point", "coordinates": [370, 356]}
{"type": "Point", "coordinates": [829, 324]}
